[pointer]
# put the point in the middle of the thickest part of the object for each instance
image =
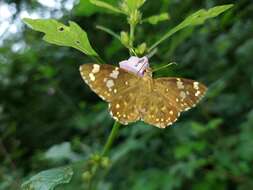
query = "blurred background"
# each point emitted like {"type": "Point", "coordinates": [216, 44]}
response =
{"type": "Point", "coordinates": [49, 117]}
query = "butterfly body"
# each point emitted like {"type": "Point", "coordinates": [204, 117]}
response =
{"type": "Point", "coordinates": [131, 97]}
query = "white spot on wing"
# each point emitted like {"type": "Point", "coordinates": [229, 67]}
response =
{"type": "Point", "coordinates": [182, 95]}
{"type": "Point", "coordinates": [114, 74]}
{"type": "Point", "coordinates": [109, 83]}
{"type": "Point", "coordinates": [180, 84]}
{"type": "Point", "coordinates": [186, 109]}
{"type": "Point", "coordinates": [96, 68]}
{"type": "Point", "coordinates": [82, 73]}
{"type": "Point", "coordinates": [197, 93]}
{"type": "Point", "coordinates": [92, 77]}
{"type": "Point", "coordinates": [196, 85]}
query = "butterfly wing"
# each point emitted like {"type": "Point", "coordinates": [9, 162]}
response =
{"type": "Point", "coordinates": [157, 110]}
{"type": "Point", "coordinates": [106, 80]}
{"type": "Point", "coordinates": [169, 97]}
{"type": "Point", "coordinates": [116, 86]}
{"type": "Point", "coordinates": [181, 93]}
{"type": "Point", "coordinates": [123, 107]}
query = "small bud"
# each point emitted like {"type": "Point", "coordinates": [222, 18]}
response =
{"type": "Point", "coordinates": [134, 17]}
{"type": "Point", "coordinates": [140, 50]}
{"type": "Point", "coordinates": [124, 7]}
{"type": "Point", "coordinates": [86, 176]}
{"type": "Point", "coordinates": [105, 162]}
{"type": "Point", "coordinates": [124, 37]}
{"type": "Point", "coordinates": [96, 157]}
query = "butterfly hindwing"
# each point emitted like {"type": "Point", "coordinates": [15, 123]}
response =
{"type": "Point", "coordinates": [157, 110]}
{"type": "Point", "coordinates": [182, 93]}
{"type": "Point", "coordinates": [123, 108]}
{"type": "Point", "coordinates": [169, 98]}
{"type": "Point", "coordinates": [106, 80]}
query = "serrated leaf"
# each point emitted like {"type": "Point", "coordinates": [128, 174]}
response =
{"type": "Point", "coordinates": [62, 35]}
{"type": "Point", "coordinates": [105, 5]}
{"type": "Point", "coordinates": [157, 18]}
{"type": "Point", "coordinates": [196, 18]}
{"type": "Point", "coordinates": [49, 179]}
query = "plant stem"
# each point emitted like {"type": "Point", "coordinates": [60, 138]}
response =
{"type": "Point", "coordinates": [108, 144]}
{"type": "Point", "coordinates": [131, 39]}
{"type": "Point", "coordinates": [107, 30]}
{"type": "Point", "coordinates": [111, 138]}
{"type": "Point", "coordinates": [132, 30]}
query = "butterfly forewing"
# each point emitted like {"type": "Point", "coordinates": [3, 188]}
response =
{"type": "Point", "coordinates": [181, 93]}
{"type": "Point", "coordinates": [106, 80]}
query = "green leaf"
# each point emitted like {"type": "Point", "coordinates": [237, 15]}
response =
{"type": "Point", "coordinates": [157, 18]}
{"type": "Point", "coordinates": [196, 18]}
{"type": "Point", "coordinates": [61, 152]}
{"type": "Point", "coordinates": [86, 8]}
{"type": "Point", "coordinates": [214, 123]}
{"type": "Point", "coordinates": [49, 179]}
{"type": "Point", "coordinates": [129, 6]}
{"type": "Point", "coordinates": [105, 5]}
{"type": "Point", "coordinates": [62, 35]}
{"type": "Point", "coordinates": [140, 50]}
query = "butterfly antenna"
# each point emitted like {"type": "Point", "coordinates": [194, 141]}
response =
{"type": "Point", "coordinates": [141, 67]}
{"type": "Point", "coordinates": [165, 66]}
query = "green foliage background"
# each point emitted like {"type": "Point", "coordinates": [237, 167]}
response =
{"type": "Point", "coordinates": [49, 117]}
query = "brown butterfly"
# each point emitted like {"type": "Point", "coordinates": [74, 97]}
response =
{"type": "Point", "coordinates": [157, 102]}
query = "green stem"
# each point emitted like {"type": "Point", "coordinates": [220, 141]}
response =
{"type": "Point", "coordinates": [108, 144]}
{"type": "Point", "coordinates": [132, 30]}
{"type": "Point", "coordinates": [131, 39]}
{"type": "Point", "coordinates": [107, 30]}
{"type": "Point", "coordinates": [111, 138]}
{"type": "Point", "coordinates": [117, 37]}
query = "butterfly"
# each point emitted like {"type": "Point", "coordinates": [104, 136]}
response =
{"type": "Point", "coordinates": [156, 101]}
